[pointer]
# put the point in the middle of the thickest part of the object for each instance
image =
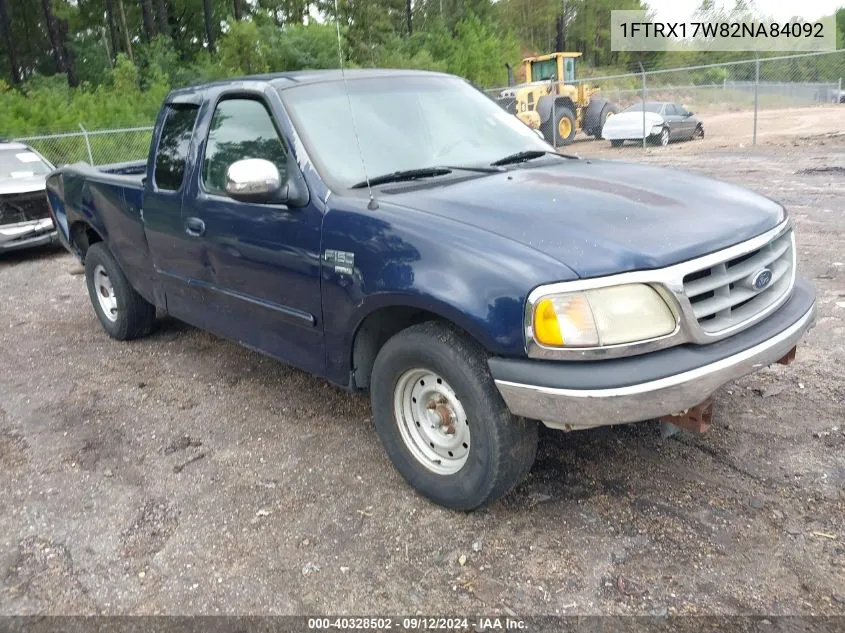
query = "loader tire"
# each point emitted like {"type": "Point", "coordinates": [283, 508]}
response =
{"type": "Point", "coordinates": [560, 131]}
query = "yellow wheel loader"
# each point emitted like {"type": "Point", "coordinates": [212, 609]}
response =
{"type": "Point", "coordinates": [553, 102]}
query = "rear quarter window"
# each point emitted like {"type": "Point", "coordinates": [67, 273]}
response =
{"type": "Point", "coordinates": [173, 146]}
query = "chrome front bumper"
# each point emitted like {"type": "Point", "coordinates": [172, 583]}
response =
{"type": "Point", "coordinates": [579, 408]}
{"type": "Point", "coordinates": [27, 234]}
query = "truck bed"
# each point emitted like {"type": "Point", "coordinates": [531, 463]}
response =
{"type": "Point", "coordinates": [108, 199]}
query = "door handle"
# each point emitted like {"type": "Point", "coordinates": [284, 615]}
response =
{"type": "Point", "coordinates": [194, 227]}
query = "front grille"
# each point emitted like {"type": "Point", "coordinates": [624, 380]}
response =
{"type": "Point", "coordinates": [23, 207]}
{"type": "Point", "coordinates": [724, 296]}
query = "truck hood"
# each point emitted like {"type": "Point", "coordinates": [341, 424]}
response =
{"type": "Point", "coordinates": [26, 184]}
{"type": "Point", "coordinates": [603, 217]}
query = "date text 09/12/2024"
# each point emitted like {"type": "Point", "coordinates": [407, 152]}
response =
{"type": "Point", "coordinates": [418, 623]}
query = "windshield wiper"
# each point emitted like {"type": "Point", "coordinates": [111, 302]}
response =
{"type": "Point", "coordinates": [483, 169]}
{"type": "Point", "coordinates": [531, 154]}
{"type": "Point", "coordinates": [405, 174]}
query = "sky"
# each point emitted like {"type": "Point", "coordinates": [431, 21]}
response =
{"type": "Point", "coordinates": [682, 10]}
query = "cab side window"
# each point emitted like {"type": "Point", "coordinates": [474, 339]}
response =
{"type": "Point", "coordinates": [173, 146]}
{"type": "Point", "coordinates": [240, 128]}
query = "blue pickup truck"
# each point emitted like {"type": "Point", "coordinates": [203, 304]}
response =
{"type": "Point", "coordinates": [396, 232]}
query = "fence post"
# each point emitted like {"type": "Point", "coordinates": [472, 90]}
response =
{"type": "Point", "coordinates": [642, 70]}
{"type": "Point", "coordinates": [756, 97]}
{"type": "Point", "coordinates": [87, 145]}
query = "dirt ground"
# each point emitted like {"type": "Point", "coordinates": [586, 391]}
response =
{"type": "Point", "coordinates": [183, 474]}
{"type": "Point", "coordinates": [785, 127]}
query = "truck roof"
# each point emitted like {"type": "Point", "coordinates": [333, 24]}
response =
{"type": "Point", "coordinates": [284, 80]}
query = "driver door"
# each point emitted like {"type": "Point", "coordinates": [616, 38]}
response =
{"type": "Point", "coordinates": [262, 260]}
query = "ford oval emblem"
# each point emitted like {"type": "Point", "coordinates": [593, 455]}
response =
{"type": "Point", "coordinates": [761, 279]}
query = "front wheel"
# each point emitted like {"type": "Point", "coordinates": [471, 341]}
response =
{"type": "Point", "coordinates": [662, 138]}
{"type": "Point", "coordinates": [560, 129]}
{"type": "Point", "coordinates": [442, 421]}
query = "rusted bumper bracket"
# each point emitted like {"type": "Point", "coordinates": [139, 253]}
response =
{"type": "Point", "coordinates": [696, 419]}
{"type": "Point", "coordinates": [788, 357]}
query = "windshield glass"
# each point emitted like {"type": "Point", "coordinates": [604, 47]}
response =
{"type": "Point", "coordinates": [543, 71]}
{"type": "Point", "coordinates": [649, 107]}
{"type": "Point", "coordinates": [402, 123]}
{"type": "Point", "coordinates": [21, 163]}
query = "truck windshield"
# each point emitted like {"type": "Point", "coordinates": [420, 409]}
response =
{"type": "Point", "coordinates": [410, 122]}
{"type": "Point", "coordinates": [21, 163]}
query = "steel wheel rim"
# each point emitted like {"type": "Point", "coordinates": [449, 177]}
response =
{"type": "Point", "coordinates": [564, 128]}
{"type": "Point", "coordinates": [432, 421]}
{"type": "Point", "coordinates": [104, 290]}
{"type": "Point", "coordinates": [664, 137]}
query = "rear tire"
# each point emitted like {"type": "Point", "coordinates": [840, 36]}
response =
{"type": "Point", "coordinates": [698, 134]}
{"type": "Point", "coordinates": [123, 313]}
{"type": "Point", "coordinates": [607, 111]}
{"type": "Point", "coordinates": [442, 421]}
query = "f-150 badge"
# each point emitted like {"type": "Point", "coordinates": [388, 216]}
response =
{"type": "Point", "coordinates": [343, 261]}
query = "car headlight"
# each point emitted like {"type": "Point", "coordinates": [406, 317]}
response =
{"type": "Point", "coordinates": [603, 316]}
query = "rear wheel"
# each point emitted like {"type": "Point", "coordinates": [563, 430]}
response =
{"type": "Point", "coordinates": [442, 421]}
{"type": "Point", "coordinates": [123, 313]}
{"type": "Point", "coordinates": [699, 132]}
{"type": "Point", "coordinates": [607, 112]}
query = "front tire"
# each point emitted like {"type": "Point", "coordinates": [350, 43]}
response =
{"type": "Point", "coordinates": [562, 130]}
{"type": "Point", "coordinates": [123, 313]}
{"type": "Point", "coordinates": [442, 421]}
{"type": "Point", "coordinates": [661, 139]}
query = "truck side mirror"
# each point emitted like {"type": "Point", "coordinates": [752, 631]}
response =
{"type": "Point", "coordinates": [255, 180]}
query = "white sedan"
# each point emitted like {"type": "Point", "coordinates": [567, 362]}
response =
{"type": "Point", "coordinates": [24, 215]}
{"type": "Point", "coordinates": [661, 123]}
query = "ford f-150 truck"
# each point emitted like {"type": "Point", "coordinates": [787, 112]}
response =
{"type": "Point", "coordinates": [396, 232]}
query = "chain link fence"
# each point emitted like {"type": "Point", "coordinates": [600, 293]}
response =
{"type": "Point", "coordinates": [736, 101]}
{"type": "Point", "coordinates": [96, 147]}
{"type": "Point", "coordinates": [744, 90]}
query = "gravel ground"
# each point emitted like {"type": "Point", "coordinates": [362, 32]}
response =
{"type": "Point", "coordinates": [183, 474]}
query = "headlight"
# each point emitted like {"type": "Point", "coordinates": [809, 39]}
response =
{"type": "Point", "coordinates": [604, 316]}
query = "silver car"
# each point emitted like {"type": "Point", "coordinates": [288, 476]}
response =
{"type": "Point", "coordinates": [24, 215]}
{"type": "Point", "coordinates": [661, 122]}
